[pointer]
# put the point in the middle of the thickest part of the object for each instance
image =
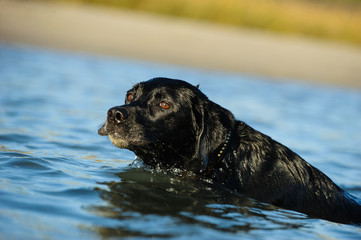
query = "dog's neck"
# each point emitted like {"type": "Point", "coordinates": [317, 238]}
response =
{"type": "Point", "coordinates": [217, 158]}
{"type": "Point", "coordinates": [224, 146]}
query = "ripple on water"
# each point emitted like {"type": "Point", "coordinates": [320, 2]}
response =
{"type": "Point", "coordinates": [26, 162]}
{"type": "Point", "coordinates": [16, 137]}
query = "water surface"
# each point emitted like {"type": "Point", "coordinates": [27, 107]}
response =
{"type": "Point", "coordinates": [60, 180]}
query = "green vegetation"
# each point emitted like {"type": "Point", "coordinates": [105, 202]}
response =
{"type": "Point", "coordinates": [337, 20]}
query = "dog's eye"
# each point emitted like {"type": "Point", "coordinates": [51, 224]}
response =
{"type": "Point", "coordinates": [164, 105]}
{"type": "Point", "coordinates": [130, 97]}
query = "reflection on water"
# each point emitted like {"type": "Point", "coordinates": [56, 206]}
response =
{"type": "Point", "coordinates": [154, 199]}
{"type": "Point", "coordinates": [60, 180]}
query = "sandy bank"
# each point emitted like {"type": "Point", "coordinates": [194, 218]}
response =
{"type": "Point", "coordinates": [183, 42]}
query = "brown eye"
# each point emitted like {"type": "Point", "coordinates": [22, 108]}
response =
{"type": "Point", "coordinates": [164, 105]}
{"type": "Point", "coordinates": [130, 97]}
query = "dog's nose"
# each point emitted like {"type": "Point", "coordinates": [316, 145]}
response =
{"type": "Point", "coordinates": [117, 114]}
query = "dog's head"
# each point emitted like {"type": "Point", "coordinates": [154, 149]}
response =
{"type": "Point", "coordinates": [169, 123]}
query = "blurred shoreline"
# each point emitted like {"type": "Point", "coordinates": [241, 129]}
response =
{"type": "Point", "coordinates": [97, 30]}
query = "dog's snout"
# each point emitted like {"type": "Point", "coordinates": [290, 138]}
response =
{"type": "Point", "coordinates": [117, 114]}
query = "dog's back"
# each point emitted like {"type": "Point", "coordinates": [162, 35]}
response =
{"type": "Point", "coordinates": [266, 170]}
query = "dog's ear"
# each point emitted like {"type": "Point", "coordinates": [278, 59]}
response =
{"type": "Point", "coordinates": [206, 130]}
{"type": "Point", "coordinates": [212, 125]}
{"type": "Point", "coordinates": [199, 127]}
{"type": "Point", "coordinates": [197, 86]}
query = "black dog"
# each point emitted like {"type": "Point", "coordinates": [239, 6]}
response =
{"type": "Point", "coordinates": [172, 124]}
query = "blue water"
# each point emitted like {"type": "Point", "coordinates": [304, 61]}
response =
{"type": "Point", "coordinates": [60, 180]}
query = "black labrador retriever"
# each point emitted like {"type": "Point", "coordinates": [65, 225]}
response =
{"type": "Point", "coordinates": [171, 124]}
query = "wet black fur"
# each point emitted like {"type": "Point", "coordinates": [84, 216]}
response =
{"type": "Point", "coordinates": [190, 135]}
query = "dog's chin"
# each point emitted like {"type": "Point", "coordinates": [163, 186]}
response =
{"type": "Point", "coordinates": [120, 143]}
